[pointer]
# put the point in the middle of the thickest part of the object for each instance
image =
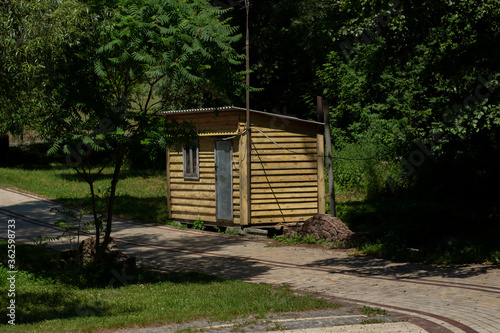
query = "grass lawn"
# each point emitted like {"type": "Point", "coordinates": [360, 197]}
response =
{"type": "Point", "coordinates": [440, 232]}
{"type": "Point", "coordinates": [52, 299]}
{"type": "Point", "coordinates": [140, 195]}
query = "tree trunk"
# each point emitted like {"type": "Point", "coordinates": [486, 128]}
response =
{"type": "Point", "coordinates": [112, 195]}
{"type": "Point", "coordinates": [4, 146]}
{"type": "Point", "coordinates": [96, 221]}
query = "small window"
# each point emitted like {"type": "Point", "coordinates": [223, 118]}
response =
{"type": "Point", "coordinates": [190, 154]}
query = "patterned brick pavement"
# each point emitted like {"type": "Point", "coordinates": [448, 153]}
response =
{"type": "Point", "coordinates": [463, 298]}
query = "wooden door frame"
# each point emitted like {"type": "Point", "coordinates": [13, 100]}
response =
{"type": "Point", "coordinates": [216, 180]}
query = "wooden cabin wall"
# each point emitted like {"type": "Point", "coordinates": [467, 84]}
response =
{"type": "Point", "coordinates": [236, 182]}
{"type": "Point", "coordinates": [285, 182]}
{"type": "Point", "coordinates": [223, 122]}
{"type": "Point", "coordinates": [190, 199]}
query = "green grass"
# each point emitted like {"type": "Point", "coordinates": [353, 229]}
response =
{"type": "Point", "coordinates": [371, 321]}
{"type": "Point", "coordinates": [140, 195]}
{"type": "Point", "coordinates": [295, 240]}
{"type": "Point", "coordinates": [440, 232]}
{"type": "Point", "coordinates": [51, 299]}
{"type": "Point", "coordinates": [369, 311]}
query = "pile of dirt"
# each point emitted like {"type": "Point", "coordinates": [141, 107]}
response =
{"type": "Point", "coordinates": [323, 226]}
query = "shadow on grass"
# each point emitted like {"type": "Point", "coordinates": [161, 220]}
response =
{"type": "Point", "coordinates": [38, 306]}
{"type": "Point", "coordinates": [35, 156]}
{"type": "Point", "coordinates": [106, 175]}
{"type": "Point", "coordinates": [150, 209]}
{"type": "Point", "coordinates": [47, 289]}
{"type": "Point", "coordinates": [418, 230]}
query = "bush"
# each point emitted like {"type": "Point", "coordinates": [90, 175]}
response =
{"type": "Point", "coordinates": [198, 224]}
{"type": "Point", "coordinates": [362, 167]}
{"type": "Point", "coordinates": [147, 155]}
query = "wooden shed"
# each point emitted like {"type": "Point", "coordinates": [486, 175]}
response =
{"type": "Point", "coordinates": [208, 178]}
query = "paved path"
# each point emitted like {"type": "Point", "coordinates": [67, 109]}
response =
{"type": "Point", "coordinates": [463, 298]}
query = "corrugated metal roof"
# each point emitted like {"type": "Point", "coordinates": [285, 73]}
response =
{"type": "Point", "coordinates": [233, 108]}
{"type": "Point", "coordinates": [222, 133]}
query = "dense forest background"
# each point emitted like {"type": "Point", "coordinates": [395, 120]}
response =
{"type": "Point", "coordinates": [413, 88]}
{"type": "Point", "coordinates": [412, 82]}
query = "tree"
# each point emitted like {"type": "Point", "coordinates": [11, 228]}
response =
{"type": "Point", "coordinates": [417, 71]}
{"type": "Point", "coordinates": [120, 71]}
{"type": "Point", "coordinates": [289, 42]}
{"type": "Point", "coordinates": [31, 33]}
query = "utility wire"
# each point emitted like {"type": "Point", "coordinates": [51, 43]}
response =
{"type": "Point", "coordinates": [294, 152]}
{"type": "Point", "coordinates": [358, 159]}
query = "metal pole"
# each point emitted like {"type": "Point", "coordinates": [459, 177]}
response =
{"type": "Point", "coordinates": [249, 135]}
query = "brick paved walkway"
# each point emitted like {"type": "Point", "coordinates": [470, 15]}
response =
{"type": "Point", "coordinates": [462, 298]}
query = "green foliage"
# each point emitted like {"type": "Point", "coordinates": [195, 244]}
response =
{"type": "Point", "coordinates": [408, 75]}
{"type": "Point", "coordinates": [293, 240]}
{"type": "Point", "coordinates": [232, 232]}
{"type": "Point", "coordinates": [173, 41]}
{"type": "Point", "coordinates": [289, 40]}
{"type": "Point", "coordinates": [390, 246]}
{"type": "Point", "coordinates": [296, 239]}
{"type": "Point", "coordinates": [176, 224]}
{"type": "Point", "coordinates": [71, 224]}
{"type": "Point", "coordinates": [104, 69]}
{"type": "Point", "coordinates": [443, 234]}
{"type": "Point", "coordinates": [362, 166]}
{"type": "Point", "coordinates": [32, 35]}
{"type": "Point", "coordinates": [369, 311]}
{"type": "Point", "coordinates": [198, 224]}
{"type": "Point", "coordinates": [455, 253]}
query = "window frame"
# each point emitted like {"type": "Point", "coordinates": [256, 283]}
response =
{"type": "Point", "coordinates": [191, 151]}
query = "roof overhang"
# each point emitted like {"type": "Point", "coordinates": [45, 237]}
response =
{"type": "Point", "coordinates": [235, 108]}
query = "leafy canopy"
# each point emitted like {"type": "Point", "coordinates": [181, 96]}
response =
{"type": "Point", "coordinates": [124, 62]}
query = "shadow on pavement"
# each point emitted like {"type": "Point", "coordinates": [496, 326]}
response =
{"type": "Point", "coordinates": [373, 266]}
{"type": "Point", "coordinates": [189, 253]}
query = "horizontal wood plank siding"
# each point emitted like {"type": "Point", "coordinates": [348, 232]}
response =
{"type": "Point", "coordinates": [285, 176]}
{"type": "Point", "coordinates": [192, 199]}
{"type": "Point", "coordinates": [210, 122]}
{"type": "Point", "coordinates": [284, 172]}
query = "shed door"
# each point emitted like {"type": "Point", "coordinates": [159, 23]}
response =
{"type": "Point", "coordinates": [224, 180]}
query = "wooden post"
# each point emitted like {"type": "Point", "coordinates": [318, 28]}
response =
{"type": "Point", "coordinates": [169, 200]}
{"type": "Point", "coordinates": [319, 106]}
{"type": "Point", "coordinates": [329, 159]}
{"type": "Point", "coordinates": [244, 185]}
{"type": "Point", "coordinates": [320, 142]}
{"type": "Point", "coordinates": [324, 114]}
{"type": "Point", "coordinates": [248, 124]}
